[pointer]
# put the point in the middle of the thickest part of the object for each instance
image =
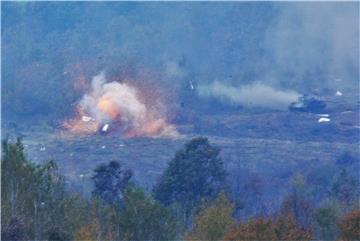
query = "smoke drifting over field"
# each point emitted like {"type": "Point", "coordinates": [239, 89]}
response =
{"type": "Point", "coordinates": [120, 106]}
{"type": "Point", "coordinates": [314, 43]}
{"type": "Point", "coordinates": [258, 95]}
{"type": "Point", "coordinates": [298, 46]}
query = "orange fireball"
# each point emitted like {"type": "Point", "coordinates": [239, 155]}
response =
{"type": "Point", "coordinates": [107, 106]}
{"type": "Point", "coordinates": [119, 105]}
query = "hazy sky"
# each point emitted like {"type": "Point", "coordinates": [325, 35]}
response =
{"type": "Point", "coordinates": [288, 46]}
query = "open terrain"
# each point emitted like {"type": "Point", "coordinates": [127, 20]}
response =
{"type": "Point", "coordinates": [271, 144]}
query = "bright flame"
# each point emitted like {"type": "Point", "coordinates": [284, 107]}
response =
{"type": "Point", "coordinates": [119, 106]}
{"type": "Point", "coordinates": [107, 107]}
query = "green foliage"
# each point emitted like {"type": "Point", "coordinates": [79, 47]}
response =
{"type": "Point", "coordinates": [296, 203]}
{"type": "Point", "coordinates": [110, 182]}
{"type": "Point", "coordinates": [75, 212]}
{"type": "Point", "coordinates": [36, 206]}
{"type": "Point", "coordinates": [325, 219]}
{"type": "Point", "coordinates": [345, 188]}
{"type": "Point", "coordinates": [12, 229]}
{"type": "Point", "coordinates": [145, 219]}
{"type": "Point", "coordinates": [101, 224]}
{"type": "Point", "coordinates": [214, 220]}
{"type": "Point", "coordinates": [140, 218]}
{"type": "Point", "coordinates": [195, 173]}
{"type": "Point", "coordinates": [33, 202]}
{"type": "Point", "coordinates": [14, 172]}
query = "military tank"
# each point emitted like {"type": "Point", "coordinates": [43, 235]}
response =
{"type": "Point", "coordinates": [307, 103]}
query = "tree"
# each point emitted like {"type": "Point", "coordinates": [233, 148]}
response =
{"type": "Point", "coordinates": [145, 219]}
{"type": "Point", "coordinates": [196, 172]}
{"type": "Point", "coordinates": [287, 228]}
{"type": "Point", "coordinates": [12, 229]}
{"type": "Point", "coordinates": [214, 220]}
{"type": "Point", "coordinates": [32, 194]}
{"type": "Point", "coordinates": [325, 218]}
{"type": "Point", "coordinates": [345, 188]}
{"type": "Point", "coordinates": [257, 229]}
{"type": "Point", "coordinates": [349, 225]}
{"type": "Point", "coordinates": [15, 170]}
{"type": "Point", "coordinates": [91, 229]}
{"type": "Point", "coordinates": [34, 202]}
{"type": "Point", "coordinates": [319, 181]}
{"type": "Point", "coordinates": [250, 190]}
{"type": "Point", "coordinates": [87, 232]}
{"type": "Point", "coordinates": [296, 203]}
{"type": "Point", "coordinates": [76, 213]}
{"type": "Point", "coordinates": [101, 223]}
{"type": "Point", "coordinates": [110, 182]}
{"type": "Point", "coordinates": [283, 228]}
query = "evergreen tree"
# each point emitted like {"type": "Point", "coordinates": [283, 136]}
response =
{"type": "Point", "coordinates": [345, 188]}
{"type": "Point", "coordinates": [196, 172]}
{"type": "Point", "coordinates": [296, 203]}
{"type": "Point", "coordinates": [32, 195]}
{"type": "Point", "coordinates": [325, 219]}
{"type": "Point", "coordinates": [145, 219]}
{"type": "Point", "coordinates": [110, 181]}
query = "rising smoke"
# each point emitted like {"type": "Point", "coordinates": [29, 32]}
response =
{"type": "Point", "coordinates": [256, 95]}
{"type": "Point", "coordinates": [120, 106]}
{"type": "Point", "coordinates": [299, 46]}
{"type": "Point", "coordinates": [307, 46]}
{"type": "Point", "coordinates": [314, 44]}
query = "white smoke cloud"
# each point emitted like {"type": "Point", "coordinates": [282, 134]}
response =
{"type": "Point", "coordinates": [121, 106]}
{"type": "Point", "coordinates": [308, 45]}
{"type": "Point", "coordinates": [311, 40]}
{"type": "Point", "coordinates": [120, 103]}
{"type": "Point", "coordinates": [257, 95]}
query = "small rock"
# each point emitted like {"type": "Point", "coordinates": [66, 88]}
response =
{"type": "Point", "coordinates": [86, 118]}
{"type": "Point", "coordinates": [338, 93]}
{"type": "Point", "coordinates": [323, 115]}
{"type": "Point", "coordinates": [105, 128]}
{"type": "Point", "coordinates": [324, 119]}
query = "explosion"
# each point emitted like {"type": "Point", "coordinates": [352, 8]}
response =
{"type": "Point", "coordinates": [120, 108]}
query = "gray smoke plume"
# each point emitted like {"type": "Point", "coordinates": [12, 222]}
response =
{"type": "Point", "coordinates": [314, 43]}
{"type": "Point", "coordinates": [257, 95]}
{"type": "Point", "coordinates": [120, 106]}
{"type": "Point", "coordinates": [286, 45]}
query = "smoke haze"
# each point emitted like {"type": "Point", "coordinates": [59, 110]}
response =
{"type": "Point", "coordinates": [314, 44]}
{"type": "Point", "coordinates": [120, 106]}
{"type": "Point", "coordinates": [255, 95]}
{"type": "Point", "coordinates": [297, 46]}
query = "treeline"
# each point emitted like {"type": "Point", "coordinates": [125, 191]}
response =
{"type": "Point", "coordinates": [192, 200]}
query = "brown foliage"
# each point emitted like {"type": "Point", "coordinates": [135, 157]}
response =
{"type": "Point", "coordinates": [283, 228]}
{"type": "Point", "coordinates": [349, 226]}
